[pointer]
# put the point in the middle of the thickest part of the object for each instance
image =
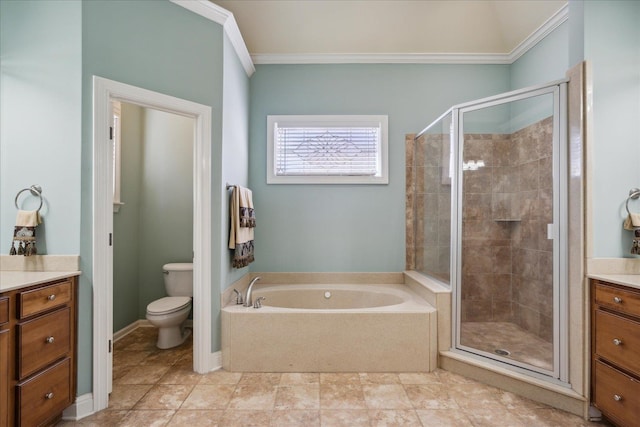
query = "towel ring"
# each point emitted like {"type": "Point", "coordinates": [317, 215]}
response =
{"type": "Point", "coordinates": [35, 190]}
{"type": "Point", "coordinates": [634, 193]}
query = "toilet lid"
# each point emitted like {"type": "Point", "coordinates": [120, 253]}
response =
{"type": "Point", "coordinates": [168, 305]}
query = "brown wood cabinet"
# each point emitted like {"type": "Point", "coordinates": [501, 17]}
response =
{"type": "Point", "coordinates": [615, 346]}
{"type": "Point", "coordinates": [38, 353]}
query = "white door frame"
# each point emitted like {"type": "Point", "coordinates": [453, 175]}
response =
{"type": "Point", "coordinates": [104, 91]}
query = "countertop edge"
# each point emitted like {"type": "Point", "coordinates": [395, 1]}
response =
{"type": "Point", "coordinates": [12, 280]}
{"type": "Point", "coordinates": [631, 280]}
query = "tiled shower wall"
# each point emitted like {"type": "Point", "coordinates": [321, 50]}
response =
{"type": "Point", "coordinates": [507, 262]}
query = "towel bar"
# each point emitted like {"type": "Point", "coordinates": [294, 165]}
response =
{"type": "Point", "coordinates": [35, 190]}
{"type": "Point", "coordinates": [634, 193]}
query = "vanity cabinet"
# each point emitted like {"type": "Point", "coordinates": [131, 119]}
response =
{"type": "Point", "coordinates": [38, 347]}
{"type": "Point", "coordinates": [615, 344]}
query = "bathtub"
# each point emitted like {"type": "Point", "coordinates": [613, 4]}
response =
{"type": "Point", "coordinates": [330, 328]}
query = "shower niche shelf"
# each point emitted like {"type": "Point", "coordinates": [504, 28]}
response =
{"type": "Point", "coordinates": [507, 219]}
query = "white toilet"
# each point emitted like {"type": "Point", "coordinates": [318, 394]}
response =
{"type": "Point", "coordinates": [169, 313]}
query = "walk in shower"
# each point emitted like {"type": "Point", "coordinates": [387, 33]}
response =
{"type": "Point", "coordinates": [488, 203]}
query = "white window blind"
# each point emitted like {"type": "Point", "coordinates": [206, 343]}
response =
{"type": "Point", "coordinates": [327, 149]}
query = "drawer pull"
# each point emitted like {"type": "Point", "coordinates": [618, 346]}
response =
{"type": "Point", "coordinates": [617, 300]}
{"type": "Point", "coordinates": [617, 397]}
{"type": "Point", "coordinates": [53, 296]}
{"type": "Point", "coordinates": [49, 396]}
{"type": "Point", "coordinates": [49, 340]}
{"type": "Point", "coordinates": [617, 341]}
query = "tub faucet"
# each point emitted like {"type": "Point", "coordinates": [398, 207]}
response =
{"type": "Point", "coordinates": [247, 298]}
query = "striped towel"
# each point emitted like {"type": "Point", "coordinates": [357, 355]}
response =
{"type": "Point", "coordinates": [240, 237]}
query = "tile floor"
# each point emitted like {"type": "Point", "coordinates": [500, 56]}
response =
{"type": "Point", "coordinates": [154, 387]}
{"type": "Point", "coordinates": [523, 345]}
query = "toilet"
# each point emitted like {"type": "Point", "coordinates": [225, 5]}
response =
{"type": "Point", "coordinates": [168, 314]}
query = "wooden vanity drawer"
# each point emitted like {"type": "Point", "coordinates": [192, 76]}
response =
{"type": "Point", "coordinates": [4, 311]}
{"type": "Point", "coordinates": [42, 299]}
{"type": "Point", "coordinates": [43, 340]}
{"type": "Point", "coordinates": [617, 394]}
{"type": "Point", "coordinates": [618, 299]}
{"type": "Point", "coordinates": [617, 339]}
{"type": "Point", "coordinates": [46, 393]}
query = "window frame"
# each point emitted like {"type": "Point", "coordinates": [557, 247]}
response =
{"type": "Point", "coordinates": [382, 177]}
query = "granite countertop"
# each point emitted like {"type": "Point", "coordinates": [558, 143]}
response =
{"type": "Point", "coordinates": [631, 280]}
{"type": "Point", "coordinates": [11, 280]}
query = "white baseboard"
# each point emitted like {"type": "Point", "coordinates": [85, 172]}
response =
{"type": "Point", "coordinates": [142, 323]}
{"type": "Point", "coordinates": [82, 407]}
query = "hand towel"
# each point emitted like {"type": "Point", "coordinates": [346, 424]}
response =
{"type": "Point", "coordinates": [240, 238]}
{"type": "Point", "coordinates": [632, 221]}
{"type": "Point", "coordinates": [24, 233]}
{"type": "Point", "coordinates": [247, 213]}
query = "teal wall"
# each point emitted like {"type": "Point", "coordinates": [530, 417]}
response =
{"type": "Point", "coordinates": [612, 46]}
{"type": "Point", "coordinates": [159, 46]}
{"type": "Point", "coordinates": [155, 224]}
{"type": "Point", "coordinates": [126, 242]}
{"type": "Point", "coordinates": [40, 102]}
{"type": "Point", "coordinates": [349, 227]}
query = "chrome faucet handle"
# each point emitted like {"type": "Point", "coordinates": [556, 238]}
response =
{"type": "Point", "coordinates": [258, 303]}
{"type": "Point", "coordinates": [238, 297]}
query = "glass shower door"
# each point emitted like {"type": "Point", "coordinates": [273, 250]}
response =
{"type": "Point", "coordinates": [509, 278]}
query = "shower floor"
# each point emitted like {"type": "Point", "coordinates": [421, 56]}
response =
{"type": "Point", "coordinates": [522, 345]}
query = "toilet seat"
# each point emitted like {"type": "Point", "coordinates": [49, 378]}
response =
{"type": "Point", "coordinates": [167, 305]}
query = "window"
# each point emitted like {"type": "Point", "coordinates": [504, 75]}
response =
{"type": "Point", "coordinates": [327, 150]}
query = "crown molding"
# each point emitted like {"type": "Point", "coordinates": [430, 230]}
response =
{"type": "Point", "coordinates": [225, 18]}
{"type": "Point", "coordinates": [543, 31]}
{"type": "Point", "coordinates": [421, 58]}
{"type": "Point", "coordinates": [382, 58]}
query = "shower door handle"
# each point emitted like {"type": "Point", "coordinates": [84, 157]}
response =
{"type": "Point", "coordinates": [550, 232]}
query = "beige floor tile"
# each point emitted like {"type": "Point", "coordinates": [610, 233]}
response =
{"type": "Point", "coordinates": [164, 397]}
{"type": "Point", "coordinates": [344, 418]}
{"type": "Point", "coordinates": [259, 378]}
{"type": "Point", "coordinates": [430, 396]}
{"type": "Point", "coordinates": [553, 417]}
{"type": "Point", "coordinates": [386, 396]}
{"type": "Point", "coordinates": [299, 378]}
{"type": "Point", "coordinates": [419, 378]}
{"type": "Point", "coordinates": [339, 378]}
{"type": "Point", "coordinates": [213, 396]}
{"type": "Point", "coordinates": [393, 417]}
{"type": "Point", "coordinates": [295, 418]}
{"type": "Point", "coordinates": [305, 396]}
{"type": "Point", "coordinates": [144, 374]}
{"type": "Point", "coordinates": [180, 375]}
{"type": "Point", "coordinates": [495, 417]}
{"type": "Point", "coordinates": [379, 378]}
{"type": "Point", "coordinates": [342, 396]}
{"type": "Point", "coordinates": [161, 357]}
{"type": "Point", "coordinates": [142, 418]}
{"type": "Point", "coordinates": [220, 377]}
{"type": "Point", "coordinates": [108, 417]}
{"type": "Point", "coordinates": [246, 418]}
{"type": "Point", "coordinates": [470, 396]}
{"type": "Point", "coordinates": [253, 397]}
{"type": "Point", "coordinates": [196, 418]}
{"type": "Point", "coordinates": [126, 396]}
{"type": "Point", "coordinates": [129, 358]}
{"type": "Point", "coordinates": [444, 418]}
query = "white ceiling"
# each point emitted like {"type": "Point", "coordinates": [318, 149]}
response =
{"type": "Point", "coordinates": [281, 28]}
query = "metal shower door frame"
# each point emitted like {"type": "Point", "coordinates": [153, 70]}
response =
{"type": "Point", "coordinates": [558, 89]}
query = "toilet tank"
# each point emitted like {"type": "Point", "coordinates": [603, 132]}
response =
{"type": "Point", "coordinates": [178, 279]}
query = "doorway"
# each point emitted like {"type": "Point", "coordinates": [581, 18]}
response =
{"type": "Point", "coordinates": [105, 92]}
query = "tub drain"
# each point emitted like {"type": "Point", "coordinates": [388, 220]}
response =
{"type": "Point", "coordinates": [502, 352]}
